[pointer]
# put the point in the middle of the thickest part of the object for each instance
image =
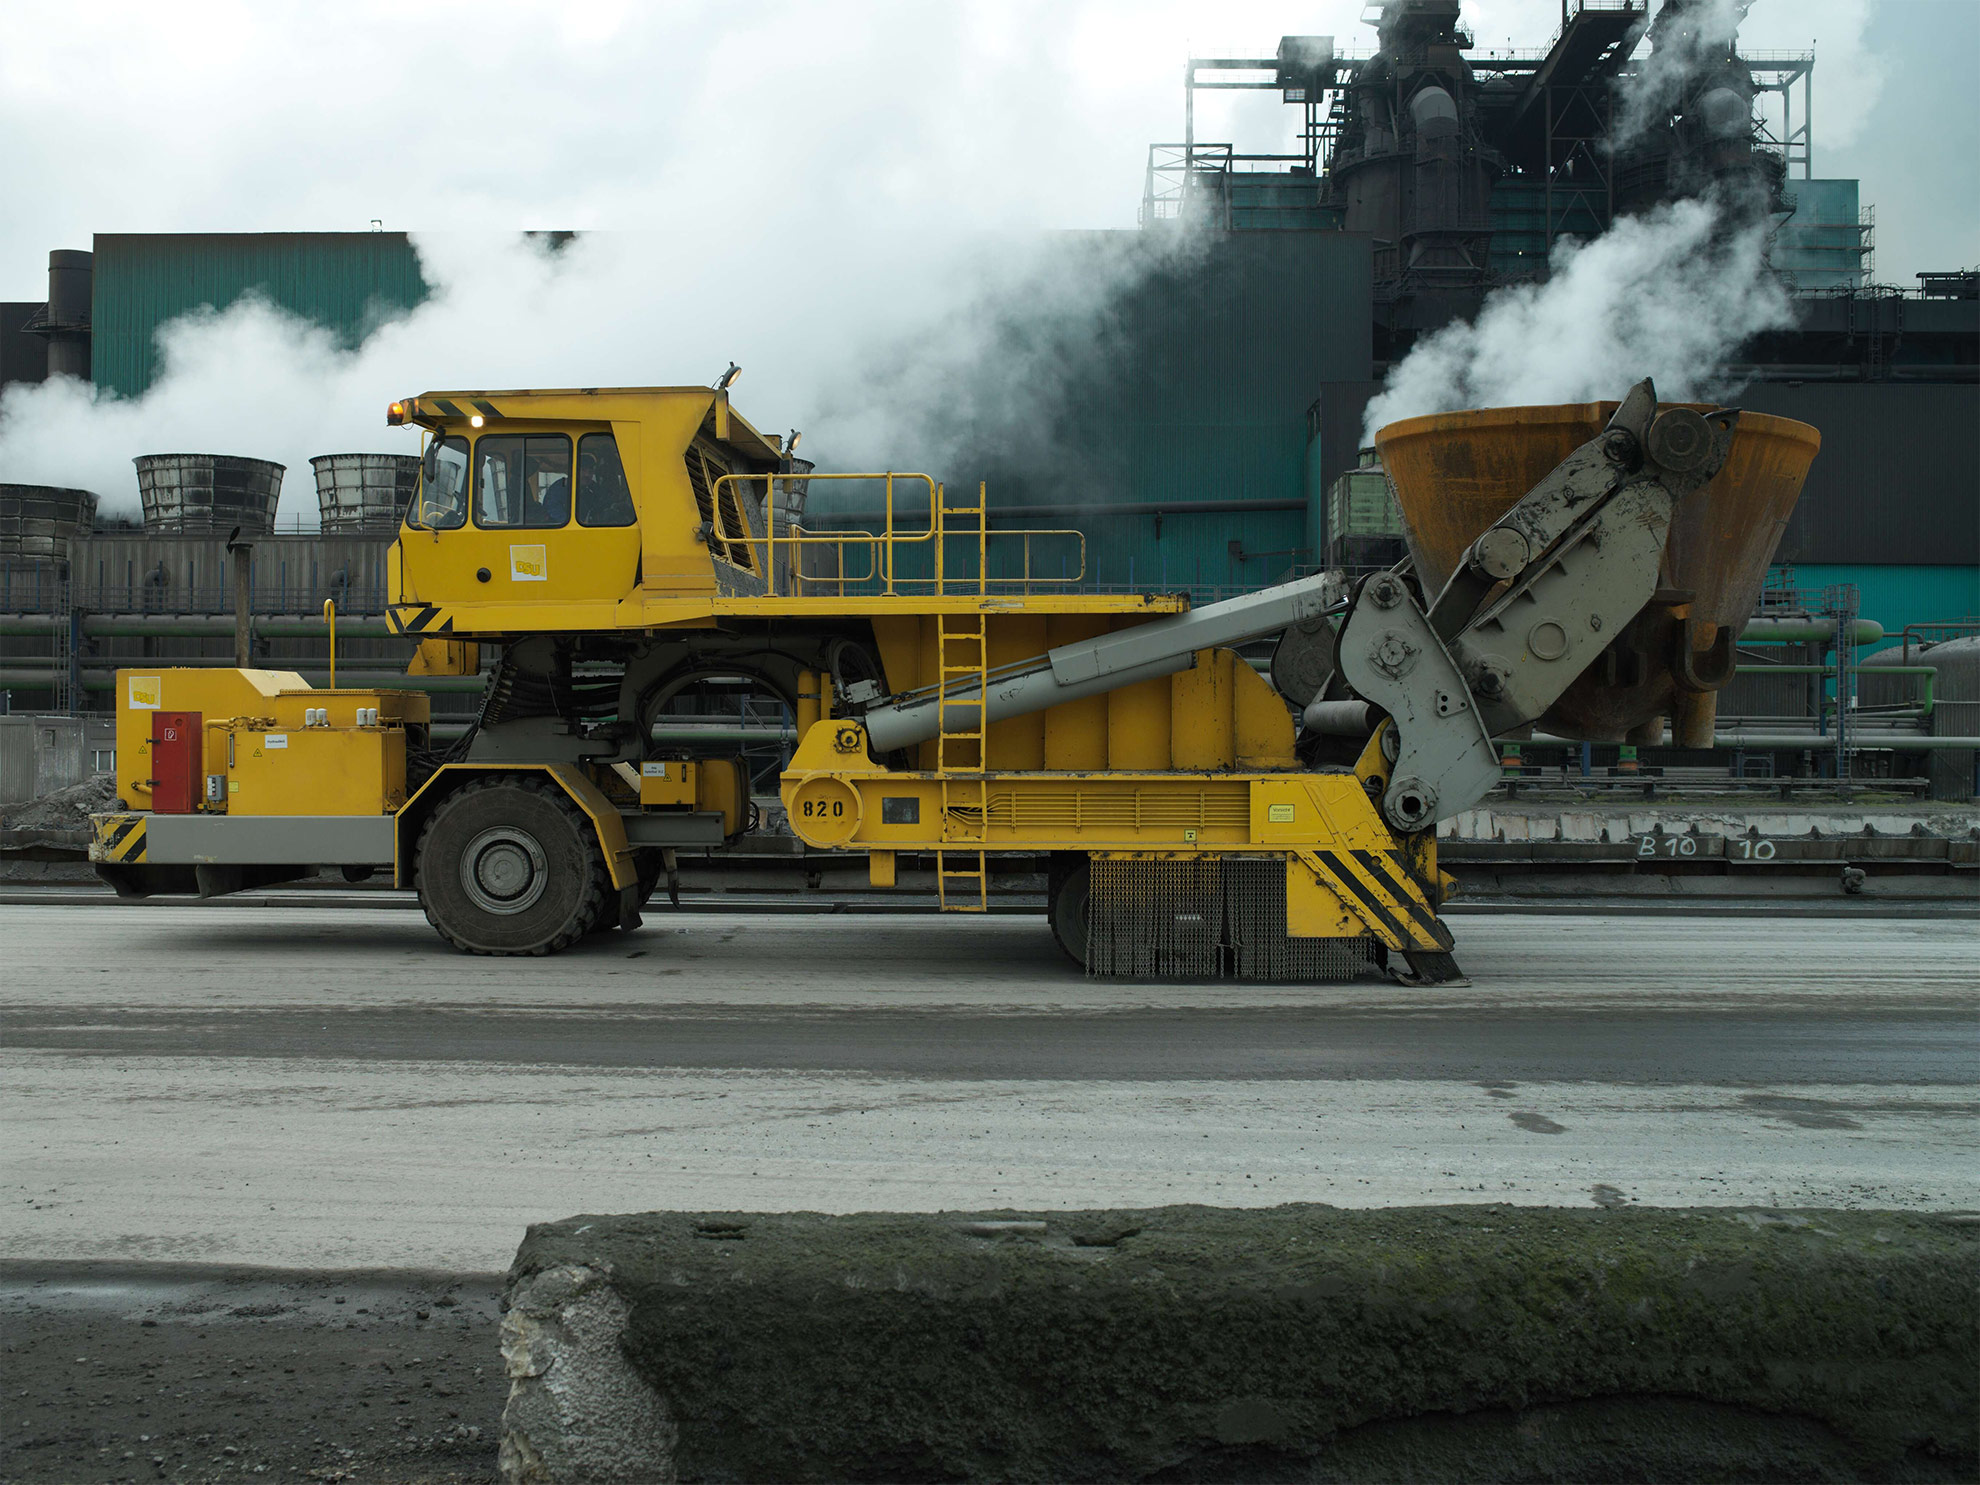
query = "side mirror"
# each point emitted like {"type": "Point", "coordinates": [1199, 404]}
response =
{"type": "Point", "coordinates": [429, 462]}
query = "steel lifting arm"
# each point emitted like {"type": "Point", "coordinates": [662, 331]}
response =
{"type": "Point", "coordinates": [1533, 602]}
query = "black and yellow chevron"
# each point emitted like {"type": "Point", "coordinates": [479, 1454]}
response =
{"type": "Point", "coordinates": [1384, 894]}
{"type": "Point", "coordinates": [418, 618]}
{"type": "Point", "coordinates": [118, 837]}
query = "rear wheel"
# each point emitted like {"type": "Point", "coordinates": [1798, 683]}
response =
{"type": "Point", "coordinates": [508, 865]}
{"type": "Point", "coordinates": [1070, 889]}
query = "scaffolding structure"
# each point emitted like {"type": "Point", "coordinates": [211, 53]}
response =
{"type": "Point", "coordinates": [1547, 114]}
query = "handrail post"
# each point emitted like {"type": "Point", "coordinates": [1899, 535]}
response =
{"type": "Point", "coordinates": [770, 531]}
{"type": "Point", "coordinates": [330, 618]}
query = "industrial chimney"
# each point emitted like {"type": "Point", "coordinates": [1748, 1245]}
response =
{"type": "Point", "coordinates": [64, 322]}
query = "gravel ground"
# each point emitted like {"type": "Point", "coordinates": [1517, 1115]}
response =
{"type": "Point", "coordinates": [66, 809]}
{"type": "Point", "coordinates": [150, 1372]}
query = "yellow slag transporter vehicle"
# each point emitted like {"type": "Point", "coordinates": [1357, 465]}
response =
{"type": "Point", "coordinates": [622, 547]}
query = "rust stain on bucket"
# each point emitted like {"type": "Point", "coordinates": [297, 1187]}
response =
{"type": "Point", "coordinates": [1457, 473]}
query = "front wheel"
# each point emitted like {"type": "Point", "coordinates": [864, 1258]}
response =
{"type": "Point", "coordinates": [508, 865]}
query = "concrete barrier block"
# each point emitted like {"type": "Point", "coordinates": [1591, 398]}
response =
{"type": "Point", "coordinates": [1294, 1343]}
{"type": "Point", "coordinates": [577, 1410]}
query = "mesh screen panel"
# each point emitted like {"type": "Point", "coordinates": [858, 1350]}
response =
{"type": "Point", "coordinates": [1209, 918]}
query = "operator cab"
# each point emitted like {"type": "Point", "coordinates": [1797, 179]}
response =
{"type": "Point", "coordinates": [547, 510]}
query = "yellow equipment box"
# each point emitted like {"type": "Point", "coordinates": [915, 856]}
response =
{"type": "Point", "coordinates": [666, 781]}
{"type": "Point", "coordinates": [265, 731]}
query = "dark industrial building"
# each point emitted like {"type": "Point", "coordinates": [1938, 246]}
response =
{"type": "Point", "coordinates": [1198, 445]}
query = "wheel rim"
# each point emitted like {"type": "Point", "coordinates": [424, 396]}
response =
{"type": "Point", "coordinates": [504, 871]}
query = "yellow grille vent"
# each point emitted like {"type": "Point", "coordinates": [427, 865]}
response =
{"type": "Point", "coordinates": [1218, 807]}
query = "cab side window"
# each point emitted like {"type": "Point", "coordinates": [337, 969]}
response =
{"type": "Point", "coordinates": [440, 504]}
{"type": "Point", "coordinates": [603, 497]}
{"type": "Point", "coordinates": [522, 480]}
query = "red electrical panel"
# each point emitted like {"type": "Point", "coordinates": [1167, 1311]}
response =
{"type": "Point", "coordinates": [177, 781]}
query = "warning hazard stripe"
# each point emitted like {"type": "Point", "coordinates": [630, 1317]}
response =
{"type": "Point", "coordinates": [123, 838]}
{"type": "Point", "coordinates": [1375, 895]}
{"type": "Point", "coordinates": [1403, 887]}
{"type": "Point", "coordinates": [1359, 896]}
{"type": "Point", "coordinates": [405, 618]}
{"type": "Point", "coordinates": [485, 408]}
{"type": "Point", "coordinates": [1378, 894]}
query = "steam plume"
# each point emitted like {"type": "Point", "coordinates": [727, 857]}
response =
{"type": "Point", "coordinates": [1669, 295]}
{"type": "Point", "coordinates": [889, 353]}
{"type": "Point", "coordinates": [1687, 38]}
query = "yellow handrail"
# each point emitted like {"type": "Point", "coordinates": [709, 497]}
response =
{"type": "Point", "coordinates": [796, 537]}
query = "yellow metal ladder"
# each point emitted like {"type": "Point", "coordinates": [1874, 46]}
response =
{"type": "Point", "coordinates": [962, 660]}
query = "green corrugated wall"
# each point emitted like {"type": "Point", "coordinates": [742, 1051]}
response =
{"type": "Point", "coordinates": [1897, 596]}
{"type": "Point", "coordinates": [347, 282]}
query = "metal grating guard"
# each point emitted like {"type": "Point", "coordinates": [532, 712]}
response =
{"type": "Point", "coordinates": [1206, 918]}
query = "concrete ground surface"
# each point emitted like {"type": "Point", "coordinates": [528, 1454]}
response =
{"type": "Point", "coordinates": [334, 1088]}
{"type": "Point", "coordinates": [329, 1090]}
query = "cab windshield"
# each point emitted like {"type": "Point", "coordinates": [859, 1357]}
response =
{"type": "Point", "coordinates": [441, 504]}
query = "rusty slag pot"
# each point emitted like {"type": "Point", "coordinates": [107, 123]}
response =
{"type": "Point", "coordinates": [1456, 473]}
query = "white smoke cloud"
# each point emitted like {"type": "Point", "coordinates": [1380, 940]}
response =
{"type": "Point", "coordinates": [1669, 295]}
{"type": "Point", "coordinates": [877, 344]}
{"type": "Point", "coordinates": [825, 194]}
{"type": "Point", "coordinates": [1649, 94]}
{"type": "Point", "coordinates": [1852, 38]}
{"type": "Point", "coordinates": [817, 227]}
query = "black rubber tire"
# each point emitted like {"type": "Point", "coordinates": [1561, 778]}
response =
{"type": "Point", "coordinates": [569, 885]}
{"type": "Point", "coordinates": [649, 870]}
{"type": "Point", "coordinates": [1066, 909]}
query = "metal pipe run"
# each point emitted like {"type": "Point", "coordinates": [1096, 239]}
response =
{"type": "Point", "coordinates": [42, 677]}
{"type": "Point", "coordinates": [688, 732]}
{"type": "Point", "coordinates": [1806, 631]}
{"type": "Point", "coordinates": [1762, 742]}
{"type": "Point", "coordinates": [1926, 700]}
{"type": "Point", "coordinates": [191, 626]}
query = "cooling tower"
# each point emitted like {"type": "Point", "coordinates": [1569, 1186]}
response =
{"type": "Point", "coordinates": [208, 493]}
{"type": "Point", "coordinates": [39, 520]}
{"type": "Point", "coordinates": [363, 492]}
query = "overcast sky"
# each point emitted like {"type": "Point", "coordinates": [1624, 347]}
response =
{"type": "Point", "coordinates": [740, 117]}
{"type": "Point", "coordinates": [844, 196]}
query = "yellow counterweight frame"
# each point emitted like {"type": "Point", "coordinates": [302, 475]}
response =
{"type": "Point", "coordinates": [1347, 874]}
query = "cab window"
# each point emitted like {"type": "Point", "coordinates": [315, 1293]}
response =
{"type": "Point", "coordinates": [441, 504]}
{"type": "Point", "coordinates": [603, 497]}
{"type": "Point", "coordinates": [522, 480]}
